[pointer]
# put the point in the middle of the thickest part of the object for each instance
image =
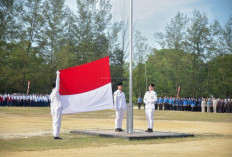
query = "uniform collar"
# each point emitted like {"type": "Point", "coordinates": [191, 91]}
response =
{"type": "Point", "coordinates": [120, 91]}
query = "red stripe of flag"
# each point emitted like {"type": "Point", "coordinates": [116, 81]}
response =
{"type": "Point", "coordinates": [84, 78]}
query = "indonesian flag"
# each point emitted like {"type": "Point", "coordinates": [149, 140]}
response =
{"type": "Point", "coordinates": [86, 87]}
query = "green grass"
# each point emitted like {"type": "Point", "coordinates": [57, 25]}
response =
{"type": "Point", "coordinates": [25, 110]}
{"type": "Point", "coordinates": [138, 114]}
{"type": "Point", "coordinates": [81, 141]}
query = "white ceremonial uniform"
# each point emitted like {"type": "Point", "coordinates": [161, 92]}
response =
{"type": "Point", "coordinates": [215, 105]}
{"type": "Point", "coordinates": [149, 99]}
{"type": "Point", "coordinates": [56, 108]}
{"type": "Point", "coordinates": [120, 107]}
{"type": "Point", "coordinates": [203, 103]}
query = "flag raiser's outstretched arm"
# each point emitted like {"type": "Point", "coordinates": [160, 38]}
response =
{"type": "Point", "coordinates": [57, 80]}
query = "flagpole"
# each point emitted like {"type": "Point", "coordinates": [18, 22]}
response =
{"type": "Point", "coordinates": [130, 106]}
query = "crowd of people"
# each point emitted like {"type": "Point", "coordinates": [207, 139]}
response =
{"type": "Point", "coordinates": [216, 105]}
{"type": "Point", "coordinates": [31, 100]}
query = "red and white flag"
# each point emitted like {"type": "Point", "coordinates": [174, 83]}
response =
{"type": "Point", "coordinates": [86, 87]}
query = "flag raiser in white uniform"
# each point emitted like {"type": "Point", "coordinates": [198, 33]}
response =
{"type": "Point", "coordinates": [120, 107]}
{"type": "Point", "coordinates": [149, 99]}
{"type": "Point", "coordinates": [56, 108]}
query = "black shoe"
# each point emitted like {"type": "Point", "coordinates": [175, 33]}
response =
{"type": "Point", "coordinates": [117, 130]}
{"type": "Point", "coordinates": [120, 130]}
{"type": "Point", "coordinates": [150, 131]}
{"type": "Point", "coordinates": [57, 138]}
{"type": "Point", "coordinates": [147, 130]}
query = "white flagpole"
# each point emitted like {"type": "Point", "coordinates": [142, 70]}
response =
{"type": "Point", "coordinates": [130, 106]}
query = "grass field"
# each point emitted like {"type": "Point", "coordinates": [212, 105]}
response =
{"type": "Point", "coordinates": [28, 132]}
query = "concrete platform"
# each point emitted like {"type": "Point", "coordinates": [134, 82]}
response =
{"type": "Point", "coordinates": [138, 134]}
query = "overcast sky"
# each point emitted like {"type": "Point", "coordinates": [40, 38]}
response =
{"type": "Point", "coordinates": [151, 16]}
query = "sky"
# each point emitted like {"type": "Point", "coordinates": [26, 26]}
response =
{"type": "Point", "coordinates": [150, 16]}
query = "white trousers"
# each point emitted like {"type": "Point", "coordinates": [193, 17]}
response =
{"type": "Point", "coordinates": [203, 108]}
{"type": "Point", "coordinates": [119, 117]}
{"type": "Point", "coordinates": [150, 117]}
{"type": "Point", "coordinates": [215, 108]}
{"type": "Point", "coordinates": [56, 122]}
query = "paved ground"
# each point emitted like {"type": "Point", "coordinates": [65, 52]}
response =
{"type": "Point", "coordinates": [138, 134]}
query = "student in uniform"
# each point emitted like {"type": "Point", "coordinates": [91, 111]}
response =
{"type": "Point", "coordinates": [120, 107]}
{"type": "Point", "coordinates": [139, 102]}
{"type": "Point", "coordinates": [56, 108]}
{"type": "Point", "coordinates": [193, 105]}
{"type": "Point", "coordinates": [160, 103]}
{"type": "Point", "coordinates": [203, 103]}
{"type": "Point", "coordinates": [208, 104]}
{"type": "Point", "coordinates": [165, 103]}
{"type": "Point", "coordinates": [149, 99]}
{"type": "Point", "coordinates": [179, 103]}
{"type": "Point", "coordinates": [185, 104]}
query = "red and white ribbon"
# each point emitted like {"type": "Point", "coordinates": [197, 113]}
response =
{"type": "Point", "coordinates": [28, 86]}
{"type": "Point", "coordinates": [178, 91]}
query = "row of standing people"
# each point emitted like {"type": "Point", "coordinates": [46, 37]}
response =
{"type": "Point", "coordinates": [32, 100]}
{"type": "Point", "coordinates": [218, 105]}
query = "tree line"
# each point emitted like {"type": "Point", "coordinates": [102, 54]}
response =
{"type": "Point", "coordinates": [195, 54]}
{"type": "Point", "coordinates": [38, 37]}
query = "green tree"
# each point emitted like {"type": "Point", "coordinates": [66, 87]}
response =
{"type": "Point", "coordinates": [163, 71]}
{"type": "Point", "coordinates": [221, 76]}
{"type": "Point", "coordinates": [10, 11]}
{"type": "Point", "coordinates": [197, 39]}
{"type": "Point", "coordinates": [175, 33]}
{"type": "Point", "coordinates": [52, 35]}
{"type": "Point", "coordinates": [93, 18]}
{"type": "Point", "coordinates": [226, 41]}
{"type": "Point", "coordinates": [140, 52]}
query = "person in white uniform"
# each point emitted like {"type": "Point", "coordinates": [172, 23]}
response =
{"type": "Point", "coordinates": [214, 105]}
{"type": "Point", "coordinates": [56, 108]}
{"type": "Point", "coordinates": [203, 104]}
{"type": "Point", "coordinates": [120, 107]}
{"type": "Point", "coordinates": [149, 99]}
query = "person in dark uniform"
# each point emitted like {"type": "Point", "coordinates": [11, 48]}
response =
{"type": "Point", "coordinates": [193, 104]}
{"type": "Point", "coordinates": [226, 103]}
{"type": "Point", "coordinates": [199, 104]}
{"type": "Point", "coordinates": [219, 104]}
{"type": "Point", "coordinates": [171, 103]}
{"type": "Point", "coordinates": [160, 103]}
{"type": "Point", "coordinates": [175, 104]}
{"type": "Point", "coordinates": [165, 103]}
{"type": "Point", "coordinates": [230, 105]}
{"type": "Point", "coordinates": [168, 104]}
{"type": "Point", "coordinates": [223, 106]}
{"type": "Point", "coordinates": [208, 104]}
{"type": "Point", "coordinates": [156, 104]}
{"type": "Point", "coordinates": [185, 103]}
{"type": "Point", "coordinates": [179, 103]}
{"type": "Point", "coordinates": [139, 102]}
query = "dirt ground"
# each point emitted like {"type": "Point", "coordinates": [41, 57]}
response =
{"type": "Point", "coordinates": [23, 126]}
{"type": "Point", "coordinates": [213, 148]}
